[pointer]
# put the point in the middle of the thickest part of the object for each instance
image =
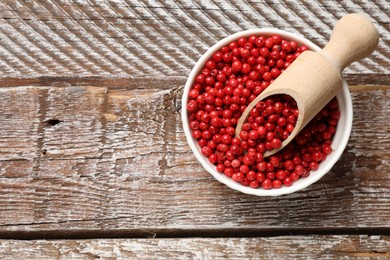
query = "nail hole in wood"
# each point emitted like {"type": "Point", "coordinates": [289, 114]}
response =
{"type": "Point", "coordinates": [44, 151]}
{"type": "Point", "coordinates": [53, 122]}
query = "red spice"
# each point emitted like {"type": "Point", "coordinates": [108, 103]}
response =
{"type": "Point", "coordinates": [266, 126]}
{"type": "Point", "coordinates": [228, 82]}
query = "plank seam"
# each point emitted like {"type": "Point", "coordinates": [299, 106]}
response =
{"type": "Point", "coordinates": [191, 233]}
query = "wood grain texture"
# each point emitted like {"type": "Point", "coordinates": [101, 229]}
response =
{"type": "Point", "coordinates": [298, 247]}
{"type": "Point", "coordinates": [117, 162]}
{"type": "Point", "coordinates": [160, 38]}
{"type": "Point", "coordinates": [92, 146]}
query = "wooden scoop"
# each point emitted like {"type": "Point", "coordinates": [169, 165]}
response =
{"type": "Point", "coordinates": [314, 78]}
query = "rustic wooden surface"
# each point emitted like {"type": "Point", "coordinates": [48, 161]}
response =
{"type": "Point", "coordinates": [91, 143]}
{"type": "Point", "coordinates": [285, 247]}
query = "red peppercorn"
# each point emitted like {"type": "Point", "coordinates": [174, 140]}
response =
{"type": "Point", "coordinates": [213, 158]}
{"type": "Point", "coordinates": [247, 161]}
{"type": "Point", "coordinates": [244, 169]}
{"type": "Point", "coordinates": [228, 172]}
{"type": "Point", "coordinates": [276, 143]}
{"type": "Point", "coordinates": [274, 161]}
{"type": "Point", "coordinates": [245, 53]}
{"type": "Point", "coordinates": [299, 169]}
{"type": "Point", "coordinates": [327, 149]}
{"type": "Point", "coordinates": [313, 165]}
{"type": "Point", "coordinates": [276, 184]}
{"type": "Point", "coordinates": [281, 174]}
{"type": "Point", "coordinates": [270, 175]}
{"type": "Point", "coordinates": [264, 52]}
{"type": "Point", "coordinates": [227, 57]}
{"type": "Point", "coordinates": [317, 156]}
{"type": "Point", "coordinates": [238, 176]}
{"type": "Point", "coordinates": [226, 139]}
{"type": "Point", "coordinates": [194, 93]}
{"type": "Point", "coordinates": [260, 177]}
{"type": "Point", "coordinates": [217, 57]}
{"type": "Point", "coordinates": [269, 43]}
{"type": "Point", "coordinates": [262, 166]}
{"type": "Point", "coordinates": [253, 135]}
{"type": "Point", "coordinates": [260, 42]}
{"type": "Point", "coordinates": [275, 72]}
{"type": "Point", "coordinates": [286, 46]}
{"type": "Point", "coordinates": [206, 151]}
{"type": "Point", "coordinates": [294, 45]}
{"type": "Point", "coordinates": [236, 66]}
{"type": "Point", "coordinates": [294, 176]}
{"type": "Point", "coordinates": [289, 165]}
{"type": "Point", "coordinates": [220, 167]}
{"type": "Point", "coordinates": [252, 39]}
{"type": "Point", "coordinates": [242, 41]}
{"type": "Point", "coordinates": [246, 68]}
{"type": "Point", "coordinates": [254, 184]}
{"type": "Point", "coordinates": [267, 76]}
{"type": "Point", "coordinates": [266, 184]}
{"type": "Point", "coordinates": [276, 38]}
{"type": "Point", "coordinates": [287, 181]}
{"type": "Point", "coordinates": [192, 106]}
{"type": "Point", "coordinates": [275, 55]}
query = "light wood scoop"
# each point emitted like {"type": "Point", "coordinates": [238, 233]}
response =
{"type": "Point", "coordinates": [314, 78]}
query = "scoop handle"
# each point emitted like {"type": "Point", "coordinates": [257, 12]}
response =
{"type": "Point", "coordinates": [354, 37]}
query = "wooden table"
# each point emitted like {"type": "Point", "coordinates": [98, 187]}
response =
{"type": "Point", "coordinates": [94, 162]}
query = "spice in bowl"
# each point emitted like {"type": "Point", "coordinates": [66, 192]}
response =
{"type": "Point", "coordinates": [229, 80]}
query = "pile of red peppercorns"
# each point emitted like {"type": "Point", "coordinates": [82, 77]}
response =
{"type": "Point", "coordinates": [270, 122]}
{"type": "Point", "coordinates": [232, 78]}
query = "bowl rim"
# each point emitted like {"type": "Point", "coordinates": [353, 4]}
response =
{"type": "Point", "coordinates": [324, 168]}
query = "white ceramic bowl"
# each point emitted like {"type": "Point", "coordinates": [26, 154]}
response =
{"type": "Point", "coordinates": [340, 138]}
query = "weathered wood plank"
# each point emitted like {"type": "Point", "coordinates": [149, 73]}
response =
{"type": "Point", "coordinates": [118, 162]}
{"type": "Point", "coordinates": [157, 38]}
{"type": "Point", "coordinates": [295, 247]}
